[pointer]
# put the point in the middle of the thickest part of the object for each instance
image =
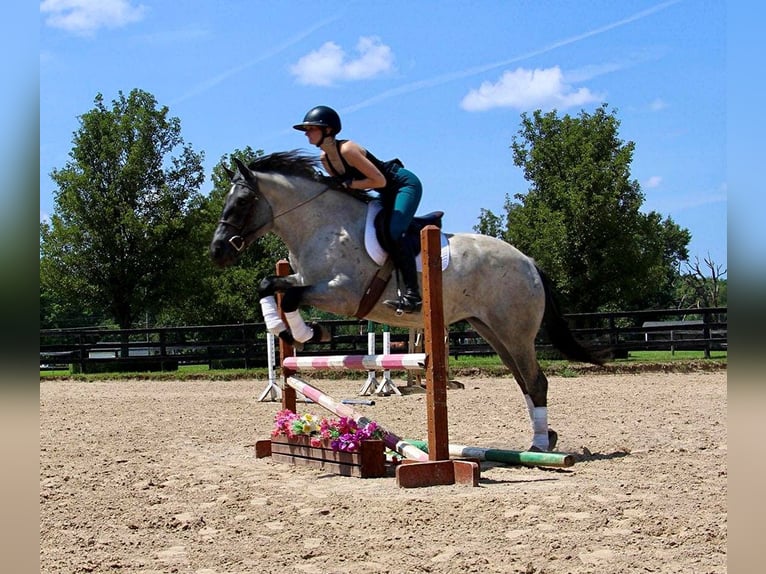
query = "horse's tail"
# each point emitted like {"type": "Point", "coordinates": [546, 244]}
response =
{"type": "Point", "coordinates": [561, 336]}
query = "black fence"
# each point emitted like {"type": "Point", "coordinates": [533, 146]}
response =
{"type": "Point", "coordinates": [244, 345]}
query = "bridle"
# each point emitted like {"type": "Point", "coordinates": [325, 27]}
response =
{"type": "Point", "coordinates": [240, 243]}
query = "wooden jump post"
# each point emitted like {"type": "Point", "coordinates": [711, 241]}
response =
{"type": "Point", "coordinates": [439, 468]}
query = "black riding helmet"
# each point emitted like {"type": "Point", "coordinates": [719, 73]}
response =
{"type": "Point", "coordinates": [321, 116]}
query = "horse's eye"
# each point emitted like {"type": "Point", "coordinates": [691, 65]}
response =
{"type": "Point", "coordinates": [242, 201]}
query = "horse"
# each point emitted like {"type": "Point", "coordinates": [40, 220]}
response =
{"type": "Point", "coordinates": [489, 283]}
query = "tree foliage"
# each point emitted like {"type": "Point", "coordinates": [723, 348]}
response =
{"type": "Point", "coordinates": [126, 209]}
{"type": "Point", "coordinates": [129, 238]}
{"type": "Point", "coordinates": [581, 219]}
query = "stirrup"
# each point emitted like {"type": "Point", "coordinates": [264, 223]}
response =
{"type": "Point", "coordinates": [404, 304]}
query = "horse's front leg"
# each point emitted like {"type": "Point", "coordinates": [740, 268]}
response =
{"type": "Point", "coordinates": [297, 331]}
{"type": "Point", "coordinates": [276, 284]}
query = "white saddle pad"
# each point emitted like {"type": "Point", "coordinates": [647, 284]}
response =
{"type": "Point", "coordinates": [376, 251]}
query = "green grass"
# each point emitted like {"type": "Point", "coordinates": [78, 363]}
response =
{"type": "Point", "coordinates": [465, 365]}
{"type": "Point", "coordinates": [668, 356]}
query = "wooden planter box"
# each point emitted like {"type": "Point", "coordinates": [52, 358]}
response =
{"type": "Point", "coordinates": [368, 462]}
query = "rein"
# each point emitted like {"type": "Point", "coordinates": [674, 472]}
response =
{"type": "Point", "coordinates": [240, 243]}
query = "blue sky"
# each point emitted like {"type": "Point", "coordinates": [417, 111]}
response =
{"type": "Point", "coordinates": [440, 85]}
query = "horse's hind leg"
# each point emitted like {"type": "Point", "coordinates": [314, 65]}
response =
{"type": "Point", "coordinates": [534, 385]}
{"type": "Point", "coordinates": [536, 397]}
{"type": "Point", "coordinates": [532, 382]}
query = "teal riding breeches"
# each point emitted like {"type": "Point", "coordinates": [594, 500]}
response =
{"type": "Point", "coordinates": [409, 190]}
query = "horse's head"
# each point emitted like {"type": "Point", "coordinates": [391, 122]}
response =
{"type": "Point", "coordinates": [246, 216]}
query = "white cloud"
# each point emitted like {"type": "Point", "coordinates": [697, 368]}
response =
{"type": "Point", "coordinates": [86, 16]}
{"type": "Point", "coordinates": [653, 181]}
{"type": "Point", "coordinates": [657, 105]}
{"type": "Point", "coordinates": [329, 64]}
{"type": "Point", "coordinates": [528, 89]}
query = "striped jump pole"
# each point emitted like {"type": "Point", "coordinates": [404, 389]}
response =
{"type": "Point", "coordinates": [519, 457]}
{"type": "Point", "coordinates": [412, 361]}
{"type": "Point", "coordinates": [342, 410]}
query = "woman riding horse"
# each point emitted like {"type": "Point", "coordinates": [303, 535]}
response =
{"type": "Point", "coordinates": [489, 283]}
{"type": "Point", "coordinates": [400, 192]}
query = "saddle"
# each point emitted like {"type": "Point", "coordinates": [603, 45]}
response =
{"type": "Point", "coordinates": [383, 275]}
{"type": "Point", "coordinates": [412, 235]}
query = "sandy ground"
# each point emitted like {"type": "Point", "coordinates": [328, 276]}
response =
{"type": "Point", "coordinates": [150, 477]}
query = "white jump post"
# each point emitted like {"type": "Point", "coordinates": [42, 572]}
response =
{"type": "Point", "coordinates": [386, 385]}
{"type": "Point", "coordinates": [371, 385]}
{"type": "Point", "coordinates": [414, 345]}
{"type": "Point", "coordinates": [372, 378]}
{"type": "Point", "coordinates": [272, 390]}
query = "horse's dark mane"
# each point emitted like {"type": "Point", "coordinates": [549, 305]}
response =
{"type": "Point", "coordinates": [293, 162]}
{"type": "Point", "coordinates": [300, 164]}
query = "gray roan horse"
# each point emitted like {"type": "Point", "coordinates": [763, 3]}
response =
{"type": "Point", "coordinates": [489, 283]}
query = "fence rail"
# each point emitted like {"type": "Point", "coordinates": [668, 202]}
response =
{"type": "Point", "coordinates": [244, 345]}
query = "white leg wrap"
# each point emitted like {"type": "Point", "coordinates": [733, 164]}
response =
{"type": "Point", "coordinates": [539, 418]}
{"type": "Point", "coordinates": [301, 332]}
{"type": "Point", "coordinates": [540, 426]}
{"type": "Point", "coordinates": [271, 315]}
{"type": "Point", "coordinates": [530, 407]}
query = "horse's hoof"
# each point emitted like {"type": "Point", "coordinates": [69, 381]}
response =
{"type": "Point", "coordinates": [321, 334]}
{"type": "Point", "coordinates": [553, 439]}
{"type": "Point", "coordinates": [287, 337]}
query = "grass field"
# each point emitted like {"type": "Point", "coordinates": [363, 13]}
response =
{"type": "Point", "coordinates": [490, 365]}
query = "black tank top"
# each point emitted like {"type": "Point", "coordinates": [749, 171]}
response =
{"type": "Point", "coordinates": [388, 168]}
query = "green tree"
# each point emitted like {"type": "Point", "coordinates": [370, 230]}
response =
{"type": "Point", "coordinates": [118, 243]}
{"type": "Point", "coordinates": [491, 224]}
{"type": "Point", "coordinates": [580, 218]}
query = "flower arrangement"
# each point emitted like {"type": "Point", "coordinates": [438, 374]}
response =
{"type": "Point", "coordinates": [344, 434]}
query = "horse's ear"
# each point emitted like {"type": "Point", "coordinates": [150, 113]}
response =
{"type": "Point", "coordinates": [241, 167]}
{"type": "Point", "coordinates": [228, 172]}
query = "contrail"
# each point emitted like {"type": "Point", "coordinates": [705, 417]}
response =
{"type": "Point", "coordinates": [443, 79]}
{"type": "Point", "coordinates": [215, 80]}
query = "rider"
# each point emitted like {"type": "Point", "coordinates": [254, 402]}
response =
{"type": "Point", "coordinates": [400, 192]}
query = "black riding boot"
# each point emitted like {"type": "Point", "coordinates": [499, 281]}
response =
{"type": "Point", "coordinates": [409, 301]}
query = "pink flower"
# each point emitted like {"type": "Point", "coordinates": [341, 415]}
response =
{"type": "Point", "coordinates": [315, 441]}
{"type": "Point", "coordinates": [344, 434]}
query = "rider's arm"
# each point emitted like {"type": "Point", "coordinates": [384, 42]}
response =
{"type": "Point", "coordinates": [355, 156]}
